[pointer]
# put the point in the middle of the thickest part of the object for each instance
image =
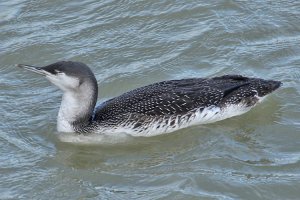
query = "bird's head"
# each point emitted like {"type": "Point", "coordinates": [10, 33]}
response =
{"type": "Point", "coordinates": [66, 75]}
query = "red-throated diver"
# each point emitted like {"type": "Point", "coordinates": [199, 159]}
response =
{"type": "Point", "coordinates": [151, 110]}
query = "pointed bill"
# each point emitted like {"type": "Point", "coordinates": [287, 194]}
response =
{"type": "Point", "coordinates": [34, 69]}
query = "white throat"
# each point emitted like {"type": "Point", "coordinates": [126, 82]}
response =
{"type": "Point", "coordinates": [75, 106]}
{"type": "Point", "coordinates": [78, 100]}
{"type": "Point", "coordinates": [68, 112]}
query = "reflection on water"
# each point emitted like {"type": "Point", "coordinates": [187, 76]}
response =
{"type": "Point", "coordinates": [131, 44]}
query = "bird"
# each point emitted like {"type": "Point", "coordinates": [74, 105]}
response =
{"type": "Point", "coordinates": [154, 109]}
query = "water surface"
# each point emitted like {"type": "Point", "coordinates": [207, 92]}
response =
{"type": "Point", "coordinates": [129, 44]}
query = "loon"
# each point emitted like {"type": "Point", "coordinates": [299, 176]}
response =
{"type": "Point", "coordinates": [158, 108]}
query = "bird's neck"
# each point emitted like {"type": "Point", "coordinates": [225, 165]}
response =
{"type": "Point", "coordinates": [76, 109]}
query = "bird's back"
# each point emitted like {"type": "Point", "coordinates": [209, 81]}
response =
{"type": "Point", "coordinates": [176, 98]}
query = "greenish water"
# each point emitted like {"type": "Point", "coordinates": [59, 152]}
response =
{"type": "Point", "coordinates": [133, 43]}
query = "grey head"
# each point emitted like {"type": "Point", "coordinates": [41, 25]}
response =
{"type": "Point", "coordinates": [67, 75]}
{"type": "Point", "coordinates": [80, 89]}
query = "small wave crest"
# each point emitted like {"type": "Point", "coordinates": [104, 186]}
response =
{"type": "Point", "coordinates": [94, 139]}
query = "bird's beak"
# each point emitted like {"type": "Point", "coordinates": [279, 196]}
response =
{"type": "Point", "coordinates": [34, 69]}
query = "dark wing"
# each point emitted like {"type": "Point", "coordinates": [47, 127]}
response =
{"type": "Point", "coordinates": [170, 97]}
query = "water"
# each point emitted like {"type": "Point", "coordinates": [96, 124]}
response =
{"type": "Point", "coordinates": [130, 44]}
